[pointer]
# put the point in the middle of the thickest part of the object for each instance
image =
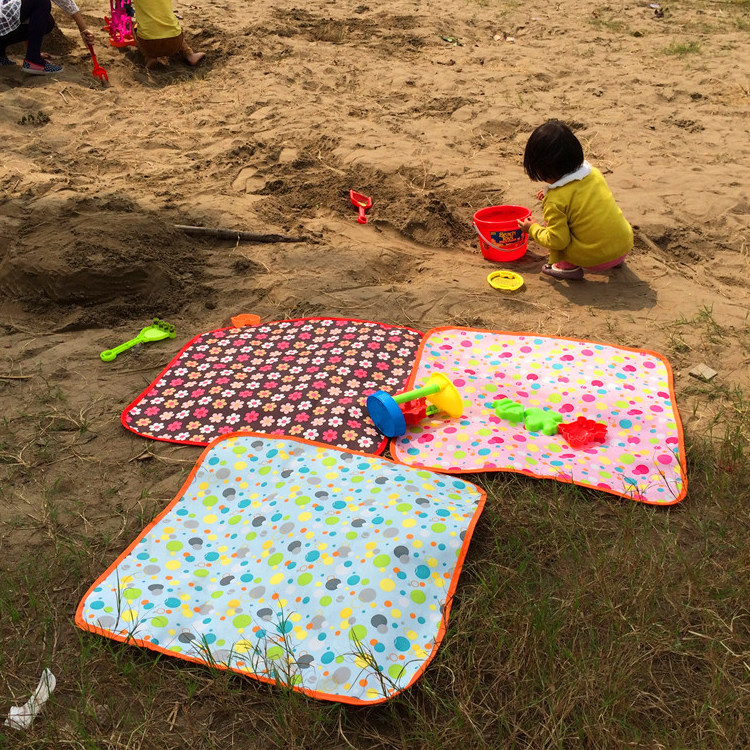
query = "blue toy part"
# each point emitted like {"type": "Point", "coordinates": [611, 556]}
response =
{"type": "Point", "coordinates": [510, 410]}
{"type": "Point", "coordinates": [542, 420]}
{"type": "Point", "coordinates": [386, 414]}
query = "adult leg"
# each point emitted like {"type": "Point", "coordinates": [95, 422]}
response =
{"type": "Point", "coordinates": [21, 34]}
{"type": "Point", "coordinates": [36, 16]}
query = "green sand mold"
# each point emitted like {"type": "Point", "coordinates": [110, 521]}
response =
{"type": "Point", "coordinates": [510, 410]}
{"type": "Point", "coordinates": [534, 419]}
{"type": "Point", "coordinates": [542, 420]}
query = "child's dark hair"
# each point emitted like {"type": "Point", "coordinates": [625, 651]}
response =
{"type": "Point", "coordinates": [552, 151]}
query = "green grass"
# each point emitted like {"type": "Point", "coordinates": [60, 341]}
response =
{"type": "Point", "coordinates": [610, 24]}
{"type": "Point", "coordinates": [680, 49]}
{"type": "Point", "coordinates": [581, 620]}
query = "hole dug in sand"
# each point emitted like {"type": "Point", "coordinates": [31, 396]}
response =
{"type": "Point", "coordinates": [32, 279]}
{"type": "Point", "coordinates": [108, 256]}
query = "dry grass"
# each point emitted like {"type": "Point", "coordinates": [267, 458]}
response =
{"type": "Point", "coordinates": [581, 620]}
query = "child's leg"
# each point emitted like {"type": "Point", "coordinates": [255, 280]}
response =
{"type": "Point", "coordinates": [192, 58]}
{"type": "Point", "coordinates": [153, 49]}
{"type": "Point", "coordinates": [610, 264]}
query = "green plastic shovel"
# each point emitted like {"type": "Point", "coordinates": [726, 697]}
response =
{"type": "Point", "coordinates": [156, 332]}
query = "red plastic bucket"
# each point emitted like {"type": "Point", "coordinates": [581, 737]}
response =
{"type": "Point", "coordinates": [500, 239]}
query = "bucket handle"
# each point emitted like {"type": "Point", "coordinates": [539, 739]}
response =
{"type": "Point", "coordinates": [500, 248]}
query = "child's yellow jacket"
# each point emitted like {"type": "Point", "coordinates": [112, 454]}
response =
{"type": "Point", "coordinates": [584, 224]}
{"type": "Point", "coordinates": [156, 19]}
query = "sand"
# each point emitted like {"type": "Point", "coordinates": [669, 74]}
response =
{"type": "Point", "coordinates": [426, 108]}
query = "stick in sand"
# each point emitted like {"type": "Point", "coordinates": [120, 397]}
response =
{"type": "Point", "coordinates": [236, 234]}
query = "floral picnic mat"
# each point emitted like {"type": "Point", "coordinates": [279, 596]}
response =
{"type": "Point", "coordinates": [306, 378]}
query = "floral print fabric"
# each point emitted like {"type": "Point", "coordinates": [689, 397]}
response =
{"type": "Point", "coordinates": [306, 378]}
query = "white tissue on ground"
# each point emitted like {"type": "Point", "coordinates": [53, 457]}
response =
{"type": "Point", "coordinates": [20, 717]}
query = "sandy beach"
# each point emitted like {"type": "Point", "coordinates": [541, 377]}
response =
{"type": "Point", "coordinates": [424, 107]}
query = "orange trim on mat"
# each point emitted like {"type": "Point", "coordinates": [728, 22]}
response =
{"type": "Point", "coordinates": [670, 382]}
{"type": "Point", "coordinates": [80, 622]}
{"type": "Point", "coordinates": [381, 445]}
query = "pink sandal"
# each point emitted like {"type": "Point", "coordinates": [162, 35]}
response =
{"type": "Point", "coordinates": [562, 273]}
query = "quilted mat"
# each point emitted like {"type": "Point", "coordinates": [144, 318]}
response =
{"type": "Point", "coordinates": [329, 571]}
{"type": "Point", "coordinates": [629, 390]}
{"type": "Point", "coordinates": [306, 378]}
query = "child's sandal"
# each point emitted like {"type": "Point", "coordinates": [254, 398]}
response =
{"type": "Point", "coordinates": [562, 273]}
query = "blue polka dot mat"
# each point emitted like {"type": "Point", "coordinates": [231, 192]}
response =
{"type": "Point", "coordinates": [292, 562]}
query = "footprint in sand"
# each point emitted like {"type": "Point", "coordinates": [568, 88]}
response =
{"type": "Point", "coordinates": [248, 181]}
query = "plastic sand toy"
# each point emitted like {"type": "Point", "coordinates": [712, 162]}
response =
{"type": "Point", "coordinates": [534, 419]}
{"type": "Point", "coordinates": [120, 23]}
{"type": "Point", "coordinates": [545, 421]}
{"type": "Point", "coordinates": [157, 331]}
{"type": "Point", "coordinates": [415, 411]}
{"type": "Point", "coordinates": [362, 202]}
{"type": "Point", "coordinates": [509, 410]}
{"type": "Point", "coordinates": [386, 413]}
{"type": "Point", "coordinates": [507, 281]}
{"type": "Point", "coordinates": [245, 319]}
{"type": "Point", "coordinates": [98, 71]}
{"type": "Point", "coordinates": [583, 432]}
{"type": "Point", "coordinates": [500, 238]}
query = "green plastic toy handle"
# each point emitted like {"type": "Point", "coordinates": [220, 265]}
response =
{"type": "Point", "coordinates": [156, 332]}
{"type": "Point", "coordinates": [425, 390]}
{"type": "Point", "coordinates": [109, 354]}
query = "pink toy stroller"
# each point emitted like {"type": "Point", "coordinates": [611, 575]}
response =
{"type": "Point", "coordinates": [120, 23]}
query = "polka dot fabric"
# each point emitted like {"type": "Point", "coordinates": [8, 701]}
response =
{"type": "Point", "coordinates": [629, 390]}
{"type": "Point", "coordinates": [327, 570]}
{"type": "Point", "coordinates": [306, 378]}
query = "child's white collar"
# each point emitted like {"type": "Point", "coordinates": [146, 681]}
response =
{"type": "Point", "coordinates": [583, 171]}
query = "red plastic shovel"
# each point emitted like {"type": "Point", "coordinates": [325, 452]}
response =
{"type": "Point", "coordinates": [98, 71]}
{"type": "Point", "coordinates": [362, 202]}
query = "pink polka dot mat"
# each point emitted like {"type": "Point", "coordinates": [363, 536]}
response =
{"type": "Point", "coordinates": [630, 390]}
{"type": "Point", "coordinates": [307, 378]}
{"type": "Point", "coordinates": [327, 570]}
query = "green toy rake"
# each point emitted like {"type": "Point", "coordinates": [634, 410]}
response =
{"type": "Point", "coordinates": [157, 331]}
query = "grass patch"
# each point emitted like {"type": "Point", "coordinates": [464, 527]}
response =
{"type": "Point", "coordinates": [680, 49]}
{"type": "Point", "coordinates": [581, 620]}
{"type": "Point", "coordinates": [698, 336]}
{"type": "Point", "coordinates": [610, 24]}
